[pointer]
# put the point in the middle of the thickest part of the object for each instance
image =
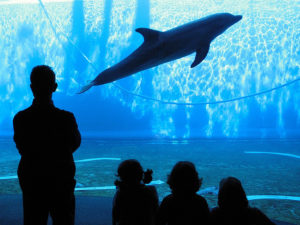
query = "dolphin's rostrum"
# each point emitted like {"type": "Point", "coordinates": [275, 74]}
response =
{"type": "Point", "coordinates": [161, 47]}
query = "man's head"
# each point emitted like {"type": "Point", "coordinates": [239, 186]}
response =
{"type": "Point", "coordinates": [42, 82]}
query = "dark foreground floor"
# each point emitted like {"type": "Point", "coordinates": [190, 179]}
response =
{"type": "Point", "coordinates": [89, 210]}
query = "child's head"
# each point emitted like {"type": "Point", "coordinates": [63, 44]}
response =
{"type": "Point", "coordinates": [231, 194]}
{"type": "Point", "coordinates": [130, 172]}
{"type": "Point", "coordinates": [184, 178]}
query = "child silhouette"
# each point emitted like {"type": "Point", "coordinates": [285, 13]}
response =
{"type": "Point", "coordinates": [134, 203]}
{"type": "Point", "coordinates": [184, 206]}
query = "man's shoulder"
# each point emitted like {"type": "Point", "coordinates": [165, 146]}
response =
{"type": "Point", "coordinates": [22, 113]}
{"type": "Point", "coordinates": [30, 110]}
{"type": "Point", "coordinates": [62, 111]}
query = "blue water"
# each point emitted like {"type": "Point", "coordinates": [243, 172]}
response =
{"type": "Point", "coordinates": [80, 39]}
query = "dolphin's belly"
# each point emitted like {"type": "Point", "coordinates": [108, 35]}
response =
{"type": "Point", "coordinates": [149, 56]}
{"type": "Point", "coordinates": [130, 65]}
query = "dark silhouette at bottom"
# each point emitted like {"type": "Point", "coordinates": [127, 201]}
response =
{"type": "Point", "coordinates": [233, 207]}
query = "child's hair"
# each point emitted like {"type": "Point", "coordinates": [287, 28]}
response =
{"type": "Point", "coordinates": [184, 178]}
{"type": "Point", "coordinates": [130, 172]}
{"type": "Point", "coordinates": [231, 194]}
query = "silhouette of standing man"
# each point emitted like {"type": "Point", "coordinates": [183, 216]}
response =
{"type": "Point", "coordinates": [46, 137]}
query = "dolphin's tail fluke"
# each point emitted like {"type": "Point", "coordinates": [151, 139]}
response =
{"type": "Point", "coordinates": [86, 87]}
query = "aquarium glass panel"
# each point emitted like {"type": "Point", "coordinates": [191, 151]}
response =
{"type": "Point", "coordinates": [236, 113]}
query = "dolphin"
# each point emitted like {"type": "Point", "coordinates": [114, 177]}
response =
{"type": "Point", "coordinates": [161, 47]}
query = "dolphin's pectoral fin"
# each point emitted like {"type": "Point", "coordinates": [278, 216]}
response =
{"type": "Point", "coordinates": [149, 34]}
{"type": "Point", "coordinates": [200, 55]}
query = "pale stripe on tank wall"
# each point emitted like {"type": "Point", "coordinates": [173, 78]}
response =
{"type": "Point", "coordinates": [275, 153]}
{"type": "Point", "coordinates": [155, 182]}
{"type": "Point", "coordinates": [10, 177]}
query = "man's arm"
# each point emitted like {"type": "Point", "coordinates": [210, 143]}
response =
{"type": "Point", "coordinates": [74, 136]}
{"type": "Point", "coordinates": [19, 135]}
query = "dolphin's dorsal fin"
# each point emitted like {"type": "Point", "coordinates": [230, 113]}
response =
{"type": "Point", "coordinates": [149, 34]}
{"type": "Point", "coordinates": [201, 53]}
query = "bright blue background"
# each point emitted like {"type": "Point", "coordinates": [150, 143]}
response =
{"type": "Point", "coordinates": [259, 53]}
